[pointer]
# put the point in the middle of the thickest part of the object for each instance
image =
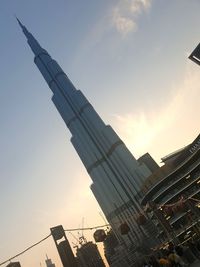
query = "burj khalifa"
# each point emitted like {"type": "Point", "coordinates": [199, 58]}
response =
{"type": "Point", "coordinates": [116, 175]}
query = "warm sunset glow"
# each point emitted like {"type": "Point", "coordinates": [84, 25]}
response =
{"type": "Point", "coordinates": [129, 58]}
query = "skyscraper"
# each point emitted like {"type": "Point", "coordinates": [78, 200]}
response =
{"type": "Point", "coordinates": [116, 175]}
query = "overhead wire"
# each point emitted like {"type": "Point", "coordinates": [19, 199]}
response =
{"type": "Point", "coordinates": [87, 228]}
{"type": "Point", "coordinates": [70, 230]}
{"type": "Point", "coordinates": [19, 254]}
{"type": "Point", "coordinates": [43, 239]}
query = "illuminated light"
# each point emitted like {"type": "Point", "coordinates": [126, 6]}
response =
{"type": "Point", "coordinates": [188, 232]}
{"type": "Point", "coordinates": [198, 182]}
{"type": "Point", "coordinates": [187, 177]}
{"type": "Point", "coordinates": [168, 217]}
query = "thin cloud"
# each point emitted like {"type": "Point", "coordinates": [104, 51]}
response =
{"type": "Point", "coordinates": [126, 13]}
{"type": "Point", "coordinates": [154, 132]}
{"type": "Point", "coordinates": [123, 24]}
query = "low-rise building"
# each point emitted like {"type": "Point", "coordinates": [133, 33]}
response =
{"type": "Point", "coordinates": [178, 179]}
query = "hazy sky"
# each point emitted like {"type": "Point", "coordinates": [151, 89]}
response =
{"type": "Point", "coordinates": [129, 57]}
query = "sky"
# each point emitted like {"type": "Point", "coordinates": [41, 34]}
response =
{"type": "Point", "coordinates": [130, 59]}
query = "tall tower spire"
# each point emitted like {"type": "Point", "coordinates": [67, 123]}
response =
{"type": "Point", "coordinates": [33, 43]}
{"type": "Point", "coordinates": [23, 28]}
{"type": "Point", "coordinates": [116, 174]}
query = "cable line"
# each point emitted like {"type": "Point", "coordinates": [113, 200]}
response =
{"type": "Point", "coordinates": [67, 230]}
{"type": "Point", "coordinates": [86, 228]}
{"type": "Point", "coordinates": [19, 254]}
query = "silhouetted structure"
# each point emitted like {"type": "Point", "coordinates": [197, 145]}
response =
{"type": "Point", "coordinates": [149, 162]}
{"type": "Point", "coordinates": [89, 256]}
{"type": "Point", "coordinates": [63, 246]}
{"type": "Point", "coordinates": [49, 263]}
{"type": "Point", "coordinates": [14, 264]}
{"type": "Point", "coordinates": [110, 243]}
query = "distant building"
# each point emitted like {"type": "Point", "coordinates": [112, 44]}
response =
{"type": "Point", "coordinates": [178, 178]}
{"type": "Point", "coordinates": [49, 263]}
{"type": "Point", "coordinates": [88, 256]}
{"type": "Point", "coordinates": [66, 254]}
{"type": "Point", "coordinates": [63, 246]}
{"type": "Point", "coordinates": [14, 264]}
{"type": "Point", "coordinates": [149, 162]}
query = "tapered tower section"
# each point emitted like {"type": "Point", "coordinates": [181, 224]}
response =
{"type": "Point", "coordinates": [115, 173]}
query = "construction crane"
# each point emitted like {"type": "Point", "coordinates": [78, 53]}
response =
{"type": "Point", "coordinates": [82, 239]}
